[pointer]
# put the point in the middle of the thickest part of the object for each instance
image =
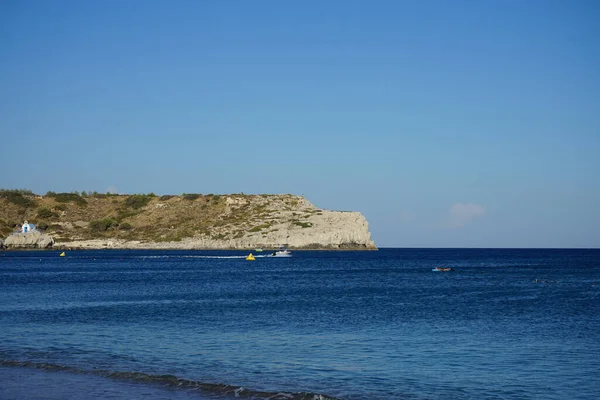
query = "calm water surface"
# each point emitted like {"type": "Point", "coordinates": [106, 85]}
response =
{"type": "Point", "coordinates": [505, 324]}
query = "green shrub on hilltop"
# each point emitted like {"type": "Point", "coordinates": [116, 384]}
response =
{"type": "Point", "coordinates": [17, 197]}
{"type": "Point", "coordinates": [212, 198]}
{"type": "Point", "coordinates": [72, 197]}
{"type": "Point", "coordinates": [191, 196]}
{"type": "Point", "coordinates": [137, 200]}
{"type": "Point", "coordinates": [166, 197]}
{"type": "Point", "coordinates": [23, 192]}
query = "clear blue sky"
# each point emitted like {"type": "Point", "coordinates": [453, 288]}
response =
{"type": "Point", "coordinates": [446, 123]}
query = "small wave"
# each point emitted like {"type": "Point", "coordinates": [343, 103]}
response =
{"type": "Point", "coordinates": [173, 381]}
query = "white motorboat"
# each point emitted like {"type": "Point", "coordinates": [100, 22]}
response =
{"type": "Point", "coordinates": [282, 252]}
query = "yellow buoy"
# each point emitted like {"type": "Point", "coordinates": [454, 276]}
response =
{"type": "Point", "coordinates": [62, 254]}
{"type": "Point", "coordinates": [250, 257]}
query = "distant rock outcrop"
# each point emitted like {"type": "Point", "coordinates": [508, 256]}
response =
{"type": "Point", "coordinates": [29, 240]}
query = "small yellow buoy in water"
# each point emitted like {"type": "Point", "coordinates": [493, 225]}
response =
{"type": "Point", "coordinates": [62, 254]}
{"type": "Point", "coordinates": [250, 257]}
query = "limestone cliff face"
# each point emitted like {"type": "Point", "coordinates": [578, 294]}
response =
{"type": "Point", "coordinates": [30, 240]}
{"type": "Point", "coordinates": [327, 229]}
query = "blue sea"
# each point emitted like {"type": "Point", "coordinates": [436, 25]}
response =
{"type": "Point", "coordinates": [504, 324]}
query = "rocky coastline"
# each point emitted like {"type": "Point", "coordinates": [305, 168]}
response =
{"type": "Point", "coordinates": [189, 222]}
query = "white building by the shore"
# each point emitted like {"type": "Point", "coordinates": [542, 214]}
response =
{"type": "Point", "coordinates": [27, 227]}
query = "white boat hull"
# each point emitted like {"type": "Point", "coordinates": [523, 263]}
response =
{"type": "Point", "coordinates": [281, 253]}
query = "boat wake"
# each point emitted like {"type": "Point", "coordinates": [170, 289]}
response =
{"type": "Point", "coordinates": [194, 256]}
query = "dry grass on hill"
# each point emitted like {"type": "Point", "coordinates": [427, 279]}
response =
{"type": "Point", "coordinates": [74, 216]}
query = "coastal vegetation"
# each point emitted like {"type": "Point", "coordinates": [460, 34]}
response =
{"type": "Point", "coordinates": [138, 200]}
{"type": "Point", "coordinates": [103, 224]}
{"type": "Point", "coordinates": [46, 213]}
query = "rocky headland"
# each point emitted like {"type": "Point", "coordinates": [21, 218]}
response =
{"type": "Point", "coordinates": [189, 221]}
